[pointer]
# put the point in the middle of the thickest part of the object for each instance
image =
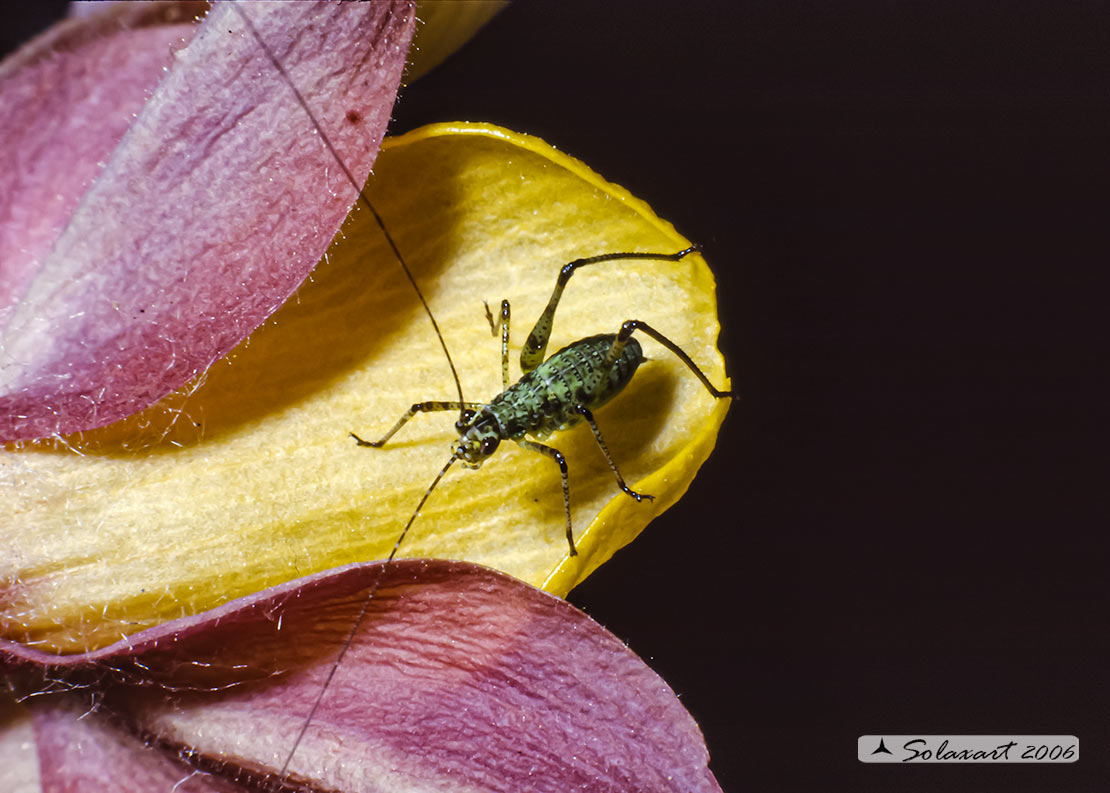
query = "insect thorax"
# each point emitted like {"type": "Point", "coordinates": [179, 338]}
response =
{"type": "Point", "coordinates": [546, 399]}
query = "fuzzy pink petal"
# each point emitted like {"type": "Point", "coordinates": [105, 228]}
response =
{"type": "Point", "coordinates": [460, 677]}
{"type": "Point", "coordinates": [212, 208]}
{"type": "Point", "coordinates": [81, 750]}
{"type": "Point", "coordinates": [60, 118]}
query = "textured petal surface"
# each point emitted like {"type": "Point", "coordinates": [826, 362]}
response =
{"type": "Point", "coordinates": [459, 678]}
{"type": "Point", "coordinates": [81, 750]}
{"type": "Point", "coordinates": [251, 479]}
{"type": "Point", "coordinates": [18, 755]}
{"type": "Point", "coordinates": [144, 270]}
{"type": "Point", "coordinates": [60, 119]}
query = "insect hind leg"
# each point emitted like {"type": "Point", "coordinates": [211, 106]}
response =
{"type": "Point", "coordinates": [589, 416]}
{"type": "Point", "coordinates": [532, 353]}
{"type": "Point", "coordinates": [631, 325]}
{"type": "Point", "coordinates": [558, 457]}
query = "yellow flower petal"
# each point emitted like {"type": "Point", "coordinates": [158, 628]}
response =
{"type": "Point", "coordinates": [249, 478]}
{"type": "Point", "coordinates": [444, 28]}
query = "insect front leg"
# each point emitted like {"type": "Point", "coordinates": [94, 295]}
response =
{"type": "Point", "coordinates": [557, 456]}
{"type": "Point", "coordinates": [534, 349]}
{"type": "Point", "coordinates": [502, 323]}
{"type": "Point", "coordinates": [585, 413]}
{"type": "Point", "coordinates": [419, 407]}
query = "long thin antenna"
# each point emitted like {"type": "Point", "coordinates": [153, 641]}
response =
{"type": "Point", "coordinates": [454, 374]}
{"type": "Point", "coordinates": [361, 194]}
{"type": "Point", "coordinates": [358, 621]}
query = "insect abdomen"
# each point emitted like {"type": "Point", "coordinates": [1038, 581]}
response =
{"type": "Point", "coordinates": [544, 400]}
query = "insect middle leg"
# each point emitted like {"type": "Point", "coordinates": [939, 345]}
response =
{"type": "Point", "coordinates": [419, 407]}
{"type": "Point", "coordinates": [589, 416]}
{"type": "Point", "coordinates": [558, 457]}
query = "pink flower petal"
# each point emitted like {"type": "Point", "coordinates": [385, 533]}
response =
{"type": "Point", "coordinates": [213, 207]}
{"type": "Point", "coordinates": [60, 118]}
{"type": "Point", "coordinates": [81, 750]}
{"type": "Point", "coordinates": [459, 677]}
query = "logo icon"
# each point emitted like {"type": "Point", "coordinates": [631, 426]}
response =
{"type": "Point", "coordinates": [882, 748]}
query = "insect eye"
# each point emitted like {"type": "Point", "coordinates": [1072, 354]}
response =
{"type": "Point", "coordinates": [489, 445]}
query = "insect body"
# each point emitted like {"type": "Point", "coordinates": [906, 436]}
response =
{"type": "Point", "coordinates": [553, 395]}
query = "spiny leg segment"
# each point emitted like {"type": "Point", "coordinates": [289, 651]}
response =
{"type": "Point", "coordinates": [419, 407]}
{"type": "Point", "coordinates": [626, 331]}
{"type": "Point", "coordinates": [534, 349]}
{"type": "Point", "coordinates": [558, 457]}
{"type": "Point", "coordinates": [531, 355]}
{"type": "Point", "coordinates": [501, 322]}
{"type": "Point", "coordinates": [589, 416]}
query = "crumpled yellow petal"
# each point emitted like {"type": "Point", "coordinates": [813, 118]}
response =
{"type": "Point", "coordinates": [248, 478]}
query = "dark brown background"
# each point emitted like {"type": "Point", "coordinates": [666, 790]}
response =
{"type": "Point", "coordinates": [903, 528]}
